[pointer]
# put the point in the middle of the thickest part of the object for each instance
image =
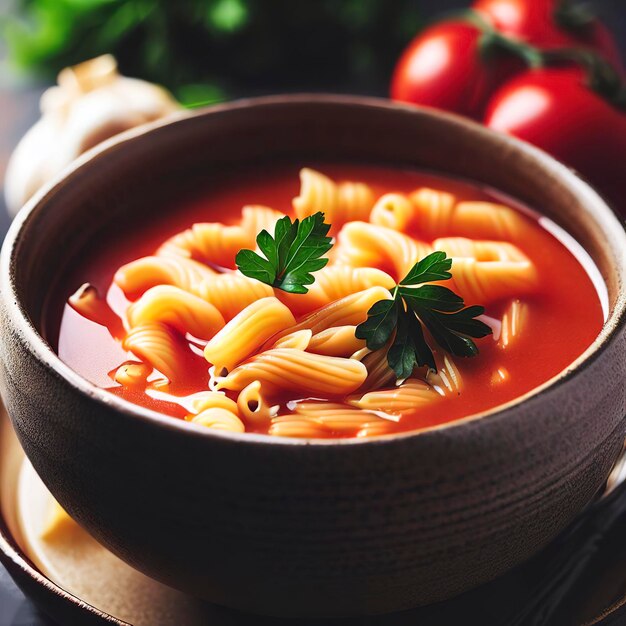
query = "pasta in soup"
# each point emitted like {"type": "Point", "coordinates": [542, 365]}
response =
{"type": "Point", "coordinates": [351, 301]}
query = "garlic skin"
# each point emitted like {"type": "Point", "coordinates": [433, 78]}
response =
{"type": "Point", "coordinates": [91, 103]}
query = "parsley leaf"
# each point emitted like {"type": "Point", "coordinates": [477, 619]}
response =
{"type": "Point", "coordinates": [382, 318]}
{"type": "Point", "coordinates": [290, 256]}
{"type": "Point", "coordinates": [439, 310]}
{"type": "Point", "coordinates": [435, 266]}
{"type": "Point", "coordinates": [409, 348]}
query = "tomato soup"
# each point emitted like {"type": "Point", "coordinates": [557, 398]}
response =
{"type": "Point", "coordinates": [169, 317]}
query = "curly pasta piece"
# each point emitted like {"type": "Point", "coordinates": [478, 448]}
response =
{"type": "Point", "coordinates": [210, 242]}
{"type": "Point", "coordinates": [366, 245]}
{"type": "Point", "coordinates": [204, 400]}
{"type": "Point", "coordinates": [393, 210]}
{"type": "Point", "coordinates": [183, 311]}
{"type": "Point", "coordinates": [216, 243]}
{"type": "Point", "coordinates": [514, 320]}
{"type": "Point", "coordinates": [486, 281]}
{"type": "Point", "coordinates": [433, 211]}
{"type": "Point", "coordinates": [437, 213]}
{"type": "Point", "coordinates": [247, 332]}
{"type": "Point", "coordinates": [253, 406]}
{"type": "Point", "coordinates": [132, 374]}
{"type": "Point", "coordinates": [479, 249]}
{"type": "Point", "coordinates": [340, 202]}
{"type": "Point", "coordinates": [336, 341]}
{"type": "Point", "coordinates": [287, 369]}
{"type": "Point", "coordinates": [484, 271]}
{"type": "Point", "coordinates": [231, 293]}
{"type": "Point", "coordinates": [410, 395]}
{"type": "Point", "coordinates": [487, 219]}
{"type": "Point", "coordinates": [157, 345]}
{"type": "Point", "coordinates": [256, 217]}
{"type": "Point", "coordinates": [150, 271]}
{"type": "Point", "coordinates": [219, 419]}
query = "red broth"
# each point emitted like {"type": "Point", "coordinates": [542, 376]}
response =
{"type": "Point", "coordinates": [564, 315]}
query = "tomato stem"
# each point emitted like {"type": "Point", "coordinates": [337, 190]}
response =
{"type": "Point", "coordinates": [572, 16]}
{"type": "Point", "coordinates": [601, 76]}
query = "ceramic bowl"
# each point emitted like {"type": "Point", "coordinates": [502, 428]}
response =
{"type": "Point", "coordinates": [309, 528]}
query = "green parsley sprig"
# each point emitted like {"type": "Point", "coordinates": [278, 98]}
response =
{"type": "Point", "coordinates": [290, 255]}
{"type": "Point", "coordinates": [411, 309]}
{"type": "Point", "coordinates": [295, 252]}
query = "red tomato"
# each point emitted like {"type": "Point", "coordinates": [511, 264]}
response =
{"type": "Point", "coordinates": [443, 68]}
{"type": "Point", "coordinates": [555, 110]}
{"type": "Point", "coordinates": [535, 22]}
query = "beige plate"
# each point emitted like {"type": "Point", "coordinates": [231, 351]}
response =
{"type": "Point", "coordinates": [80, 570]}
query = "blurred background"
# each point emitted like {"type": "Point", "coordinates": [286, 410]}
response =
{"type": "Point", "coordinates": [208, 50]}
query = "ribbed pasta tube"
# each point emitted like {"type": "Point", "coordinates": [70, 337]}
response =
{"type": "Point", "coordinates": [299, 426]}
{"type": "Point", "coordinates": [246, 332]}
{"type": "Point", "coordinates": [340, 202]}
{"type": "Point", "coordinates": [138, 276]}
{"type": "Point", "coordinates": [409, 396]}
{"type": "Point", "coordinates": [157, 345]}
{"type": "Point", "coordinates": [393, 210]}
{"type": "Point", "coordinates": [447, 380]}
{"type": "Point", "coordinates": [514, 320]}
{"type": "Point", "coordinates": [299, 340]}
{"type": "Point", "coordinates": [379, 374]}
{"type": "Point", "coordinates": [319, 420]}
{"type": "Point", "coordinates": [351, 310]}
{"type": "Point", "coordinates": [366, 245]}
{"type": "Point", "coordinates": [182, 310]}
{"type": "Point", "coordinates": [287, 369]}
{"type": "Point", "coordinates": [219, 419]}
{"type": "Point", "coordinates": [252, 404]}
{"type": "Point", "coordinates": [336, 341]}
{"type": "Point", "coordinates": [334, 282]}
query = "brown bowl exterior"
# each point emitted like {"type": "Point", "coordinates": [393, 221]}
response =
{"type": "Point", "coordinates": [317, 528]}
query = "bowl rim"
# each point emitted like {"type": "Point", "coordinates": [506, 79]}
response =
{"type": "Point", "coordinates": [604, 214]}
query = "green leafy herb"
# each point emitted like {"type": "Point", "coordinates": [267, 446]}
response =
{"type": "Point", "coordinates": [411, 309]}
{"type": "Point", "coordinates": [290, 256]}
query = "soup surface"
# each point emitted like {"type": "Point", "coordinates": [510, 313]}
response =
{"type": "Point", "coordinates": [162, 317]}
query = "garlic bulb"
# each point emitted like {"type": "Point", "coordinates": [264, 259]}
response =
{"type": "Point", "coordinates": [91, 103]}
